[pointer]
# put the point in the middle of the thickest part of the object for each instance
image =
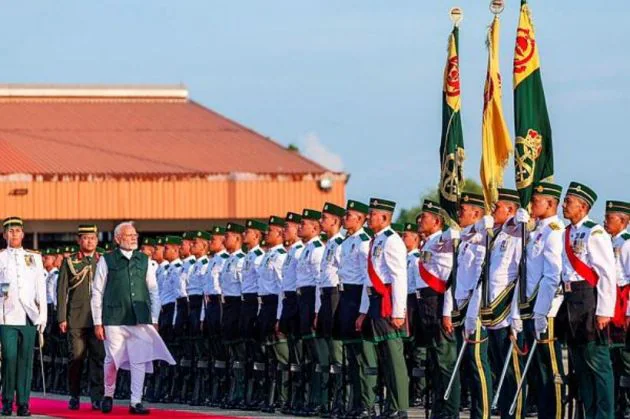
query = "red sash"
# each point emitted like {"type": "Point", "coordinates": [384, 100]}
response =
{"type": "Point", "coordinates": [621, 306]}
{"type": "Point", "coordinates": [582, 269]}
{"type": "Point", "coordinates": [432, 281]}
{"type": "Point", "coordinates": [384, 290]}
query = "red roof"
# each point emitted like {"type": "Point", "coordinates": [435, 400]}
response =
{"type": "Point", "coordinates": [133, 136]}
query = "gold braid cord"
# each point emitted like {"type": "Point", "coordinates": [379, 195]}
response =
{"type": "Point", "coordinates": [79, 277]}
{"type": "Point", "coordinates": [520, 352]}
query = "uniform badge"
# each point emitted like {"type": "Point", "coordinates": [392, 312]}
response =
{"type": "Point", "coordinates": [425, 256]}
{"type": "Point", "coordinates": [247, 264]}
{"type": "Point", "coordinates": [29, 260]}
{"type": "Point", "coordinates": [378, 250]}
{"type": "Point", "coordinates": [567, 287]}
{"type": "Point", "coordinates": [352, 248]}
{"type": "Point", "coordinates": [504, 245]}
{"type": "Point", "coordinates": [329, 255]}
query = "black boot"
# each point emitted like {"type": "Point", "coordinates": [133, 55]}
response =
{"type": "Point", "coordinates": [198, 390]}
{"type": "Point", "coordinates": [297, 390]}
{"type": "Point", "coordinates": [217, 384]}
{"type": "Point", "coordinates": [338, 392]}
{"type": "Point", "coordinates": [7, 407]}
{"type": "Point", "coordinates": [185, 381]}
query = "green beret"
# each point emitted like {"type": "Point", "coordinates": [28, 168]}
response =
{"type": "Point", "coordinates": [332, 209]}
{"type": "Point", "coordinates": [108, 246]}
{"type": "Point", "coordinates": [310, 214]}
{"type": "Point", "coordinates": [473, 199]}
{"type": "Point", "coordinates": [12, 222]}
{"type": "Point", "coordinates": [357, 206]}
{"type": "Point", "coordinates": [234, 228]}
{"type": "Point", "coordinates": [172, 240]}
{"type": "Point", "coordinates": [618, 206]}
{"type": "Point", "coordinates": [46, 252]}
{"type": "Point", "coordinates": [188, 235]}
{"type": "Point", "coordinates": [148, 241]}
{"type": "Point", "coordinates": [293, 217]}
{"type": "Point", "coordinates": [411, 227]}
{"type": "Point", "coordinates": [432, 207]}
{"type": "Point", "coordinates": [74, 248]}
{"type": "Point", "coordinates": [582, 191]}
{"type": "Point", "coordinates": [159, 241]}
{"type": "Point", "coordinates": [218, 230]}
{"type": "Point", "coordinates": [509, 195]}
{"type": "Point", "coordinates": [398, 228]}
{"type": "Point", "coordinates": [257, 225]}
{"type": "Point", "coordinates": [100, 250]}
{"type": "Point", "coordinates": [87, 229]}
{"type": "Point", "coordinates": [274, 220]}
{"type": "Point", "coordinates": [382, 204]}
{"type": "Point", "coordinates": [549, 189]}
{"type": "Point", "coordinates": [201, 235]}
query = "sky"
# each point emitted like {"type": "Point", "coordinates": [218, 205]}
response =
{"type": "Point", "coordinates": [356, 84]}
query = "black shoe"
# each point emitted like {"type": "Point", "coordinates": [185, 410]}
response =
{"type": "Point", "coordinates": [107, 404]}
{"type": "Point", "coordinates": [22, 410]}
{"type": "Point", "coordinates": [393, 414]}
{"type": "Point", "coordinates": [324, 412]}
{"type": "Point", "coordinates": [7, 408]}
{"type": "Point", "coordinates": [74, 403]}
{"type": "Point", "coordinates": [138, 409]}
{"type": "Point", "coordinates": [365, 414]}
{"type": "Point", "coordinates": [96, 405]}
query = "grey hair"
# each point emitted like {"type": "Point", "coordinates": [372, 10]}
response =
{"type": "Point", "coordinates": [119, 227]}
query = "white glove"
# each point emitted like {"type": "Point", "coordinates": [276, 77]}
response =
{"type": "Point", "coordinates": [540, 324]}
{"type": "Point", "coordinates": [517, 326]}
{"type": "Point", "coordinates": [522, 216]}
{"type": "Point", "coordinates": [488, 222]}
{"type": "Point", "coordinates": [470, 325]}
{"type": "Point", "coordinates": [41, 327]}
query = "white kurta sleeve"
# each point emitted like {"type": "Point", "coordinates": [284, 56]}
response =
{"type": "Point", "coordinates": [552, 268]}
{"type": "Point", "coordinates": [98, 287]}
{"type": "Point", "coordinates": [154, 293]}
{"type": "Point", "coordinates": [603, 261]}
{"type": "Point", "coordinates": [396, 260]}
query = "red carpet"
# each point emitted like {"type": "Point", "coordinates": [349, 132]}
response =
{"type": "Point", "coordinates": [59, 409]}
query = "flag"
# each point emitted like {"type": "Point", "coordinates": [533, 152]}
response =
{"type": "Point", "coordinates": [496, 145]}
{"type": "Point", "coordinates": [533, 153]}
{"type": "Point", "coordinates": [452, 142]}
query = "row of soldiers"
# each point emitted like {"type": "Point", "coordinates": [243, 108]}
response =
{"type": "Point", "coordinates": [316, 313]}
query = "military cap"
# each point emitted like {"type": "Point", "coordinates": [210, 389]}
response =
{"type": "Point", "coordinates": [332, 209]}
{"type": "Point", "coordinates": [398, 228]}
{"type": "Point", "coordinates": [432, 207]}
{"type": "Point", "coordinates": [257, 225]}
{"type": "Point", "coordinates": [582, 191]}
{"type": "Point", "coordinates": [411, 227]}
{"type": "Point", "coordinates": [509, 195]}
{"type": "Point", "coordinates": [100, 250]}
{"type": "Point", "coordinates": [472, 199]}
{"type": "Point", "coordinates": [547, 188]}
{"type": "Point", "coordinates": [274, 220]}
{"type": "Point", "coordinates": [149, 241]}
{"type": "Point", "coordinates": [201, 235]}
{"type": "Point", "coordinates": [87, 229]}
{"type": "Point", "coordinates": [159, 241]}
{"type": "Point", "coordinates": [310, 214]}
{"type": "Point", "coordinates": [293, 217]}
{"type": "Point", "coordinates": [46, 252]}
{"type": "Point", "coordinates": [188, 235]}
{"type": "Point", "coordinates": [218, 230]}
{"type": "Point", "coordinates": [357, 206]}
{"type": "Point", "coordinates": [172, 240]}
{"type": "Point", "coordinates": [12, 222]}
{"type": "Point", "coordinates": [618, 206]}
{"type": "Point", "coordinates": [234, 228]}
{"type": "Point", "coordinates": [382, 204]}
{"type": "Point", "coordinates": [108, 246]}
{"type": "Point", "coordinates": [74, 248]}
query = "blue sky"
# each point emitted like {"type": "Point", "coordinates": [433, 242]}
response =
{"type": "Point", "coordinates": [353, 83]}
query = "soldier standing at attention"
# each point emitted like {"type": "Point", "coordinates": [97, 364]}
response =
{"type": "Point", "coordinates": [74, 315]}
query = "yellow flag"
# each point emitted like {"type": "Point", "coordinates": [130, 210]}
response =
{"type": "Point", "coordinates": [496, 145]}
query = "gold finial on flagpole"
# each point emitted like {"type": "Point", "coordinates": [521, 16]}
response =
{"type": "Point", "coordinates": [457, 15]}
{"type": "Point", "coordinates": [497, 6]}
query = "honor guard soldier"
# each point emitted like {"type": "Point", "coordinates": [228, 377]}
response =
{"type": "Point", "coordinates": [543, 297]}
{"type": "Point", "coordinates": [270, 282]}
{"type": "Point", "coordinates": [384, 323]}
{"type": "Point", "coordinates": [288, 320]}
{"type": "Point", "coordinates": [230, 278]}
{"type": "Point", "coordinates": [148, 247]}
{"type": "Point", "coordinates": [59, 382]}
{"type": "Point", "coordinates": [308, 271]}
{"type": "Point", "coordinates": [362, 368]}
{"type": "Point", "coordinates": [330, 351]}
{"type": "Point", "coordinates": [617, 216]}
{"type": "Point", "coordinates": [24, 313]}
{"type": "Point", "coordinates": [212, 317]}
{"type": "Point", "coordinates": [435, 331]}
{"type": "Point", "coordinates": [74, 316]}
{"type": "Point", "coordinates": [51, 334]}
{"type": "Point", "coordinates": [589, 281]}
{"type": "Point", "coordinates": [196, 376]}
{"type": "Point", "coordinates": [168, 299]}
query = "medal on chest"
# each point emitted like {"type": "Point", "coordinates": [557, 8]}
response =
{"type": "Point", "coordinates": [329, 255]}
{"type": "Point", "coordinates": [504, 245]}
{"type": "Point", "coordinates": [29, 260]}
{"type": "Point", "coordinates": [425, 256]}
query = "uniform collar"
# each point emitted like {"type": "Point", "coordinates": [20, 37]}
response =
{"type": "Point", "coordinates": [338, 234]}
{"type": "Point", "coordinates": [389, 227]}
{"type": "Point", "coordinates": [276, 247]}
{"type": "Point", "coordinates": [221, 252]}
{"type": "Point", "coordinates": [412, 251]}
{"type": "Point", "coordinates": [296, 244]}
{"type": "Point", "coordinates": [235, 252]}
{"type": "Point", "coordinates": [53, 270]}
{"type": "Point", "coordinates": [624, 231]}
{"type": "Point", "coordinates": [204, 257]}
{"type": "Point", "coordinates": [312, 240]}
{"type": "Point", "coordinates": [359, 231]}
{"type": "Point", "coordinates": [176, 261]}
{"type": "Point", "coordinates": [582, 221]}
{"type": "Point", "coordinates": [15, 249]}
{"type": "Point", "coordinates": [546, 221]}
{"type": "Point", "coordinates": [434, 235]}
{"type": "Point", "coordinates": [164, 263]}
{"type": "Point", "coordinates": [253, 249]}
{"type": "Point", "coordinates": [190, 258]}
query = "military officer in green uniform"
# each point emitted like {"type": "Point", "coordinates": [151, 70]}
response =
{"type": "Point", "coordinates": [74, 288]}
{"type": "Point", "coordinates": [24, 312]}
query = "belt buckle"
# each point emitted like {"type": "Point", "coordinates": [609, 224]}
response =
{"type": "Point", "coordinates": [341, 286]}
{"type": "Point", "coordinates": [567, 286]}
{"type": "Point", "coordinates": [242, 298]}
{"type": "Point", "coordinates": [418, 295]}
{"type": "Point", "coordinates": [298, 291]}
{"type": "Point", "coordinates": [259, 299]}
{"type": "Point", "coordinates": [222, 299]}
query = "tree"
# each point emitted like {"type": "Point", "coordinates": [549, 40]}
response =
{"type": "Point", "coordinates": [408, 215]}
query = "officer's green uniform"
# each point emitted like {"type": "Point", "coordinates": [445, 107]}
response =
{"type": "Point", "coordinates": [74, 289]}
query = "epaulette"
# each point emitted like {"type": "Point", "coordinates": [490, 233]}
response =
{"type": "Point", "coordinates": [338, 240]}
{"type": "Point", "coordinates": [388, 233]}
{"type": "Point", "coordinates": [589, 224]}
{"type": "Point", "coordinates": [364, 237]}
{"type": "Point", "coordinates": [596, 232]}
{"type": "Point", "coordinates": [625, 236]}
{"type": "Point", "coordinates": [204, 261]}
{"type": "Point", "coordinates": [317, 243]}
{"type": "Point", "coordinates": [37, 252]}
{"type": "Point", "coordinates": [240, 255]}
{"type": "Point", "coordinates": [299, 246]}
{"type": "Point", "coordinates": [177, 265]}
{"type": "Point", "coordinates": [225, 255]}
{"type": "Point", "coordinates": [555, 226]}
{"type": "Point", "coordinates": [258, 252]}
{"type": "Point", "coordinates": [282, 251]}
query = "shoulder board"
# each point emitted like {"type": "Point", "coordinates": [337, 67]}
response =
{"type": "Point", "coordinates": [299, 246]}
{"type": "Point", "coordinates": [338, 240]}
{"type": "Point", "coordinates": [281, 251]}
{"type": "Point", "coordinates": [625, 236]}
{"type": "Point", "coordinates": [204, 261]}
{"type": "Point", "coordinates": [240, 255]}
{"type": "Point", "coordinates": [33, 251]}
{"type": "Point", "coordinates": [225, 255]}
{"type": "Point", "coordinates": [388, 233]}
{"type": "Point", "coordinates": [364, 237]}
{"type": "Point", "coordinates": [317, 243]}
{"type": "Point", "coordinates": [589, 224]}
{"type": "Point", "coordinates": [177, 265]}
{"type": "Point", "coordinates": [258, 252]}
{"type": "Point", "coordinates": [596, 232]}
{"type": "Point", "coordinates": [555, 226]}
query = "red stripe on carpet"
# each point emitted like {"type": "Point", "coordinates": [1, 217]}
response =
{"type": "Point", "coordinates": [59, 409]}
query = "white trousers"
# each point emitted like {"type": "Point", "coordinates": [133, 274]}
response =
{"type": "Point", "coordinates": [137, 379]}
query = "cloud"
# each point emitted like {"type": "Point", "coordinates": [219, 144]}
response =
{"type": "Point", "coordinates": [312, 147]}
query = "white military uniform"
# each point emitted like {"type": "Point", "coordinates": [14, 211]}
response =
{"type": "Point", "coordinates": [413, 273]}
{"type": "Point", "coordinates": [329, 276]}
{"type": "Point", "coordinates": [353, 264]}
{"type": "Point", "coordinates": [270, 271]}
{"type": "Point", "coordinates": [51, 286]}
{"type": "Point", "coordinates": [212, 282]}
{"type": "Point", "coordinates": [309, 265]}
{"type": "Point", "coordinates": [621, 248]}
{"type": "Point", "coordinates": [470, 258]}
{"type": "Point", "coordinates": [289, 276]}
{"type": "Point", "coordinates": [437, 259]}
{"type": "Point", "coordinates": [131, 348]}
{"type": "Point", "coordinates": [187, 268]}
{"type": "Point", "coordinates": [160, 276]}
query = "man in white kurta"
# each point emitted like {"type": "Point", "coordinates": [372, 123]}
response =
{"type": "Point", "coordinates": [125, 309]}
